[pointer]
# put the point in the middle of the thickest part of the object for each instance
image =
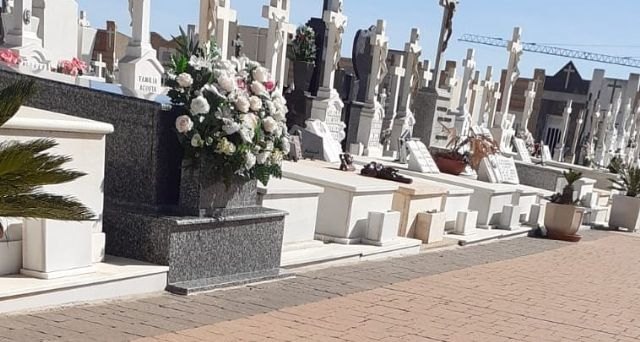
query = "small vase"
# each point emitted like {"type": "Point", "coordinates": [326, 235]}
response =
{"type": "Point", "coordinates": [203, 196]}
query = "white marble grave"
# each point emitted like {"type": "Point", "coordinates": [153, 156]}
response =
{"type": "Point", "coordinates": [412, 199]}
{"type": "Point", "coordinates": [522, 152]}
{"type": "Point", "coordinates": [331, 149]}
{"type": "Point", "coordinates": [140, 71]}
{"type": "Point", "coordinates": [51, 248]}
{"type": "Point", "coordinates": [298, 199]}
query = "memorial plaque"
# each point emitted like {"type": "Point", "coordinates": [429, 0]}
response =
{"type": "Point", "coordinates": [523, 151]}
{"type": "Point", "coordinates": [546, 154]}
{"type": "Point", "coordinates": [506, 167]}
{"type": "Point", "coordinates": [420, 159]}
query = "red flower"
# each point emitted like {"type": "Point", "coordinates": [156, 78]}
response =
{"type": "Point", "coordinates": [270, 85]}
{"type": "Point", "coordinates": [9, 57]}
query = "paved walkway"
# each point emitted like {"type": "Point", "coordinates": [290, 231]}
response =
{"type": "Point", "coordinates": [517, 290]}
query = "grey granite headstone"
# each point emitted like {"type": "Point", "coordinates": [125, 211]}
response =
{"type": "Point", "coordinates": [312, 145]}
{"type": "Point", "coordinates": [142, 189]}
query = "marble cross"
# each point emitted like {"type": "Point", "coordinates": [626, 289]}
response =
{"type": "Point", "coordinates": [530, 97]}
{"type": "Point", "coordinates": [336, 23]}
{"type": "Point", "coordinates": [515, 52]}
{"type": "Point", "coordinates": [427, 74]}
{"type": "Point", "coordinates": [216, 17]}
{"type": "Point", "coordinates": [412, 50]}
{"type": "Point", "coordinates": [380, 50]}
{"type": "Point", "coordinates": [469, 64]}
{"type": "Point", "coordinates": [99, 66]}
{"type": "Point", "coordinates": [277, 38]}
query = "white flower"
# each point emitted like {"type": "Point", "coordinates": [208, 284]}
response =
{"type": "Point", "coordinates": [260, 74]}
{"type": "Point", "coordinates": [198, 63]}
{"type": "Point", "coordinates": [227, 83]}
{"type": "Point", "coordinates": [263, 157]}
{"type": "Point", "coordinates": [184, 80]}
{"type": "Point", "coordinates": [247, 134]}
{"type": "Point", "coordinates": [279, 115]}
{"type": "Point", "coordinates": [249, 120]}
{"type": "Point", "coordinates": [250, 160]}
{"type": "Point", "coordinates": [197, 141]}
{"type": "Point", "coordinates": [269, 146]}
{"type": "Point", "coordinates": [230, 126]}
{"type": "Point", "coordinates": [276, 158]}
{"type": "Point", "coordinates": [286, 145]}
{"type": "Point", "coordinates": [256, 103]}
{"type": "Point", "coordinates": [184, 124]}
{"type": "Point", "coordinates": [242, 104]}
{"type": "Point", "coordinates": [269, 124]}
{"type": "Point", "coordinates": [199, 105]}
{"type": "Point", "coordinates": [258, 88]}
{"type": "Point", "coordinates": [278, 131]}
{"type": "Point", "coordinates": [226, 147]}
{"type": "Point", "coordinates": [212, 89]}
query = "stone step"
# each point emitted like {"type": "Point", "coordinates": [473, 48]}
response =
{"type": "Point", "coordinates": [114, 278]}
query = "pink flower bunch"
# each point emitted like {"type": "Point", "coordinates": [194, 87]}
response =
{"type": "Point", "coordinates": [73, 67]}
{"type": "Point", "coordinates": [9, 57]}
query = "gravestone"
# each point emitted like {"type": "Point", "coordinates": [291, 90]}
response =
{"type": "Point", "coordinates": [277, 13]}
{"type": "Point", "coordinates": [140, 71]}
{"type": "Point", "coordinates": [522, 151]}
{"type": "Point", "coordinates": [546, 154]}
{"type": "Point", "coordinates": [58, 28]}
{"type": "Point", "coordinates": [420, 159]}
{"type": "Point", "coordinates": [21, 36]}
{"type": "Point", "coordinates": [216, 17]}
{"type": "Point", "coordinates": [331, 149]}
{"type": "Point", "coordinates": [498, 169]}
{"type": "Point", "coordinates": [503, 128]}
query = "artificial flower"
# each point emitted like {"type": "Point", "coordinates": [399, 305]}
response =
{"type": "Point", "coordinates": [242, 104]}
{"type": "Point", "coordinates": [184, 124]}
{"type": "Point", "coordinates": [256, 103]}
{"type": "Point", "coordinates": [184, 80]}
{"type": "Point", "coordinates": [260, 74]}
{"type": "Point", "coordinates": [269, 124]}
{"type": "Point", "coordinates": [226, 83]}
{"type": "Point", "coordinates": [258, 88]}
{"type": "Point", "coordinates": [263, 157]}
{"type": "Point", "coordinates": [196, 140]}
{"type": "Point", "coordinates": [200, 105]}
{"type": "Point", "coordinates": [249, 160]}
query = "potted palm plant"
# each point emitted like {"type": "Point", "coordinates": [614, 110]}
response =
{"type": "Point", "coordinates": [25, 167]}
{"type": "Point", "coordinates": [625, 210]}
{"type": "Point", "coordinates": [563, 217]}
{"type": "Point", "coordinates": [302, 53]}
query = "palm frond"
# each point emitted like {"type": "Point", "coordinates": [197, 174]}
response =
{"type": "Point", "coordinates": [628, 181]}
{"type": "Point", "coordinates": [44, 206]}
{"type": "Point", "coordinates": [12, 98]}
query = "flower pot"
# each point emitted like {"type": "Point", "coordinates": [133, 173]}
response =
{"type": "Point", "coordinates": [201, 195]}
{"type": "Point", "coordinates": [625, 213]}
{"type": "Point", "coordinates": [302, 74]}
{"type": "Point", "coordinates": [451, 166]}
{"type": "Point", "coordinates": [563, 221]}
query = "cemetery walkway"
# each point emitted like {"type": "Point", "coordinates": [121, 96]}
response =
{"type": "Point", "coordinates": [516, 290]}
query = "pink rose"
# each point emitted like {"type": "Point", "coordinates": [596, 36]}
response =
{"type": "Point", "coordinates": [9, 57]}
{"type": "Point", "coordinates": [270, 85]}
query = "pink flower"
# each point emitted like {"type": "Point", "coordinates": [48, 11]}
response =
{"type": "Point", "coordinates": [73, 67]}
{"type": "Point", "coordinates": [9, 57]}
{"type": "Point", "coordinates": [242, 84]}
{"type": "Point", "coordinates": [270, 85]}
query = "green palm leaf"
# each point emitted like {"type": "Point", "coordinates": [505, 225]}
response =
{"type": "Point", "coordinates": [12, 98]}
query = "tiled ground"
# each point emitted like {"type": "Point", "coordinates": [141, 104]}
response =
{"type": "Point", "coordinates": [517, 290]}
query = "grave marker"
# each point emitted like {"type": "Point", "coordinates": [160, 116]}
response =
{"type": "Point", "coordinates": [523, 151]}
{"type": "Point", "coordinates": [420, 159]}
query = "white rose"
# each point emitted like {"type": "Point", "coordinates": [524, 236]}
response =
{"type": "Point", "coordinates": [269, 146]}
{"type": "Point", "coordinates": [250, 160]}
{"type": "Point", "coordinates": [269, 125]}
{"type": "Point", "coordinates": [286, 145]}
{"type": "Point", "coordinates": [227, 83]}
{"type": "Point", "coordinates": [199, 105]}
{"type": "Point", "coordinates": [279, 116]}
{"type": "Point", "coordinates": [260, 74]}
{"type": "Point", "coordinates": [263, 157]}
{"type": "Point", "coordinates": [226, 147]}
{"type": "Point", "coordinates": [230, 126]}
{"type": "Point", "coordinates": [242, 104]}
{"type": "Point", "coordinates": [256, 103]}
{"type": "Point", "coordinates": [249, 120]}
{"type": "Point", "coordinates": [258, 88]}
{"type": "Point", "coordinates": [247, 134]}
{"type": "Point", "coordinates": [276, 158]}
{"type": "Point", "coordinates": [184, 124]}
{"type": "Point", "coordinates": [197, 141]}
{"type": "Point", "coordinates": [184, 80]}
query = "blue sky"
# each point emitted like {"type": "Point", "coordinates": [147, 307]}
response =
{"type": "Point", "coordinates": [591, 25]}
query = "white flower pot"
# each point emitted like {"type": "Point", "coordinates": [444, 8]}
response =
{"type": "Point", "coordinates": [430, 227]}
{"type": "Point", "coordinates": [563, 221]}
{"type": "Point", "coordinates": [56, 249]}
{"type": "Point", "coordinates": [625, 213]}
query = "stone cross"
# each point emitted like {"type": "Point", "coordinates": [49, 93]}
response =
{"type": "Point", "coordinates": [479, 89]}
{"type": "Point", "coordinates": [277, 38]}
{"type": "Point", "coordinates": [487, 93]}
{"type": "Point", "coordinates": [83, 21]}
{"type": "Point", "coordinates": [215, 19]}
{"type": "Point", "coordinates": [515, 52]}
{"type": "Point", "coordinates": [397, 72]}
{"type": "Point", "coordinates": [412, 50]}
{"type": "Point", "coordinates": [427, 74]}
{"type": "Point", "coordinates": [496, 95]}
{"type": "Point", "coordinates": [446, 28]}
{"type": "Point", "coordinates": [140, 26]}
{"type": "Point", "coordinates": [380, 49]}
{"type": "Point", "coordinates": [576, 136]}
{"type": "Point", "coordinates": [530, 97]}
{"type": "Point", "coordinates": [336, 23]}
{"type": "Point", "coordinates": [559, 153]}
{"type": "Point", "coordinates": [99, 66]}
{"type": "Point", "coordinates": [469, 65]}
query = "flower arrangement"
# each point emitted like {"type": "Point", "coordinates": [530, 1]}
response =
{"type": "Point", "coordinates": [303, 46]}
{"type": "Point", "coordinates": [74, 67]}
{"type": "Point", "coordinates": [233, 117]}
{"type": "Point", "coordinates": [9, 56]}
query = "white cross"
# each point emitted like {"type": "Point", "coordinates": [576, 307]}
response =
{"type": "Point", "coordinates": [279, 29]}
{"type": "Point", "coordinates": [99, 65]}
{"type": "Point", "coordinates": [226, 15]}
{"type": "Point", "coordinates": [569, 70]}
{"type": "Point", "coordinates": [427, 74]}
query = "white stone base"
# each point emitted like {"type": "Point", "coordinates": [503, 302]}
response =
{"type": "Point", "coordinates": [510, 217]}
{"type": "Point", "coordinates": [430, 227]}
{"type": "Point", "coordinates": [382, 227]}
{"type": "Point", "coordinates": [10, 257]}
{"type": "Point", "coordinates": [466, 223]}
{"type": "Point", "coordinates": [486, 235]}
{"type": "Point", "coordinates": [58, 274]}
{"type": "Point", "coordinates": [116, 278]}
{"type": "Point", "coordinates": [369, 129]}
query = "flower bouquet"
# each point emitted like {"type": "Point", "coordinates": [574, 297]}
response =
{"type": "Point", "coordinates": [9, 57]}
{"type": "Point", "coordinates": [74, 67]}
{"type": "Point", "coordinates": [233, 118]}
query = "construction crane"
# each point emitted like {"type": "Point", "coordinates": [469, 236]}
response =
{"type": "Point", "coordinates": [553, 50]}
